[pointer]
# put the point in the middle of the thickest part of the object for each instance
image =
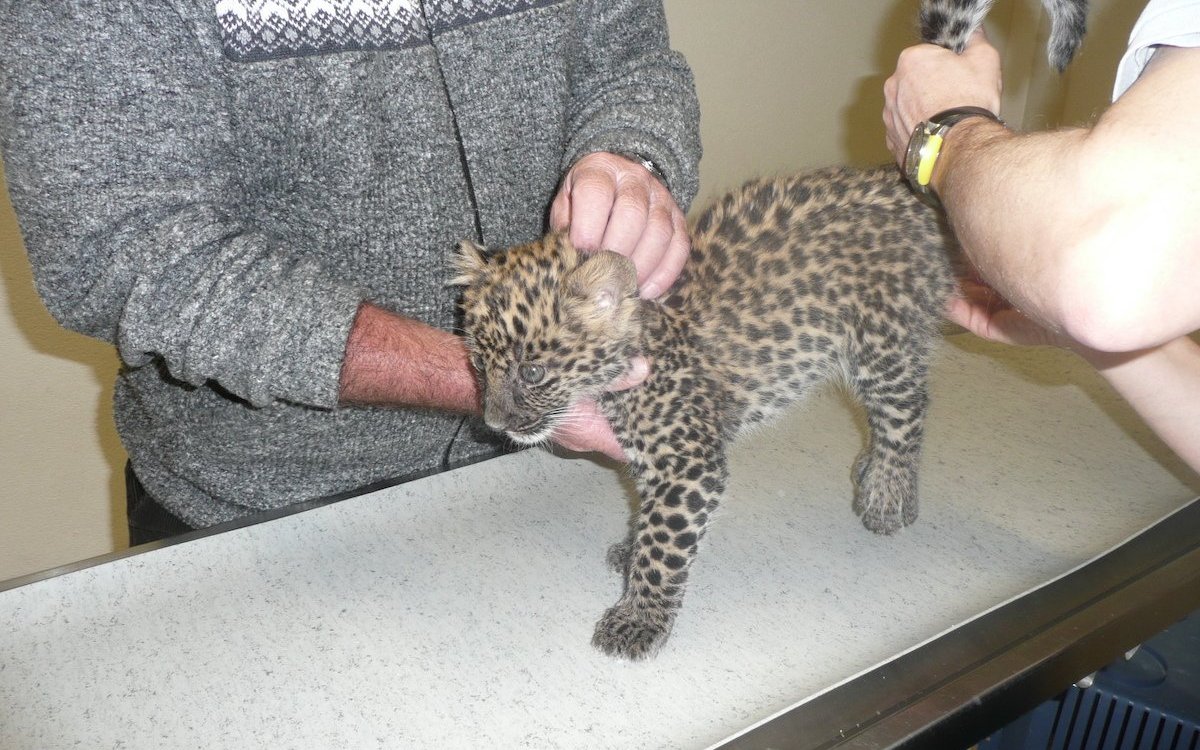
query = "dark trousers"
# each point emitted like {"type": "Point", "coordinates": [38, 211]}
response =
{"type": "Point", "coordinates": [148, 520]}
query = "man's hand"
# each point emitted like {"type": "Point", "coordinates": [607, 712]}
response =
{"type": "Point", "coordinates": [612, 203]}
{"type": "Point", "coordinates": [930, 79]}
{"type": "Point", "coordinates": [1160, 382]}
{"type": "Point", "coordinates": [585, 429]}
{"type": "Point", "coordinates": [983, 312]}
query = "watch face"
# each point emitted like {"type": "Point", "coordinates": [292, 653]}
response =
{"type": "Point", "coordinates": [912, 159]}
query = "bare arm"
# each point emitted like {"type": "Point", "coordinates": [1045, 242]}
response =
{"type": "Point", "coordinates": [1161, 383]}
{"type": "Point", "coordinates": [1099, 235]}
{"type": "Point", "coordinates": [392, 360]}
{"type": "Point", "coordinates": [1090, 237]}
{"type": "Point", "coordinates": [396, 361]}
{"type": "Point", "coordinates": [1093, 233]}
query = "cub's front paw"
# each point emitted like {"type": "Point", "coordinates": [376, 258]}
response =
{"type": "Point", "coordinates": [885, 492]}
{"type": "Point", "coordinates": [632, 633]}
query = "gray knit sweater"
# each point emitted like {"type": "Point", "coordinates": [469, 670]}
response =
{"type": "Point", "coordinates": [215, 185]}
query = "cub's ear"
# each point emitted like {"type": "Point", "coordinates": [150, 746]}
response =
{"type": "Point", "coordinates": [469, 262]}
{"type": "Point", "coordinates": [604, 279]}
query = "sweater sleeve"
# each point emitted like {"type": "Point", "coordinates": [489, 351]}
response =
{"type": "Point", "coordinates": [633, 93]}
{"type": "Point", "coordinates": [125, 178]}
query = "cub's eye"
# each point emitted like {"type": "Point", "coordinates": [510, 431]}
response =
{"type": "Point", "coordinates": [532, 374]}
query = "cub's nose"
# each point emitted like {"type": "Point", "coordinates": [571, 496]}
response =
{"type": "Point", "coordinates": [501, 419]}
{"type": "Point", "coordinates": [513, 424]}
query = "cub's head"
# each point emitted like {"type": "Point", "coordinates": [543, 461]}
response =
{"type": "Point", "coordinates": [546, 326]}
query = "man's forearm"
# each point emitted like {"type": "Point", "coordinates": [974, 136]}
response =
{"type": "Point", "coordinates": [1013, 206]}
{"type": "Point", "coordinates": [1161, 384]}
{"type": "Point", "coordinates": [1090, 232]}
{"type": "Point", "coordinates": [396, 361]}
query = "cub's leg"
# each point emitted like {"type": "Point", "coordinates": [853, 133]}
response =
{"type": "Point", "coordinates": [679, 487]}
{"type": "Point", "coordinates": [891, 384]}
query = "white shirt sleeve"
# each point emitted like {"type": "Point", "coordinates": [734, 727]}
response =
{"type": "Point", "coordinates": [1167, 23]}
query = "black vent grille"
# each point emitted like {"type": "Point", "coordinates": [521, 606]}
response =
{"type": "Point", "coordinates": [1094, 719]}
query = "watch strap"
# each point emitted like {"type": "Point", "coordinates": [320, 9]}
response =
{"type": "Point", "coordinates": [948, 117]}
{"type": "Point", "coordinates": [646, 162]}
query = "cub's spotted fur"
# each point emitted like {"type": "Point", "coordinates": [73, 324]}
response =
{"type": "Point", "coordinates": [792, 281]}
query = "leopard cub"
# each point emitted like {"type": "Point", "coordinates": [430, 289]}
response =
{"type": "Point", "coordinates": [792, 281]}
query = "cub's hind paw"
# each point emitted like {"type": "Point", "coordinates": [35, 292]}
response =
{"type": "Point", "coordinates": [631, 633]}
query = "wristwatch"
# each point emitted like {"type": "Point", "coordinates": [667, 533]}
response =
{"type": "Point", "coordinates": [925, 145]}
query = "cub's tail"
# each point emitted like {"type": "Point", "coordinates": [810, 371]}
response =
{"type": "Point", "coordinates": [948, 23]}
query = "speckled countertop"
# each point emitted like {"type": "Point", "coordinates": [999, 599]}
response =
{"type": "Point", "coordinates": [456, 611]}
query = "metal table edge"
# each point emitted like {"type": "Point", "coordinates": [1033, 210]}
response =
{"type": "Point", "coordinates": [965, 684]}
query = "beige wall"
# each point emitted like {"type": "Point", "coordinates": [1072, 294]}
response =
{"type": "Point", "coordinates": [784, 85]}
{"type": "Point", "coordinates": [1081, 93]}
{"type": "Point", "coordinates": [59, 454]}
